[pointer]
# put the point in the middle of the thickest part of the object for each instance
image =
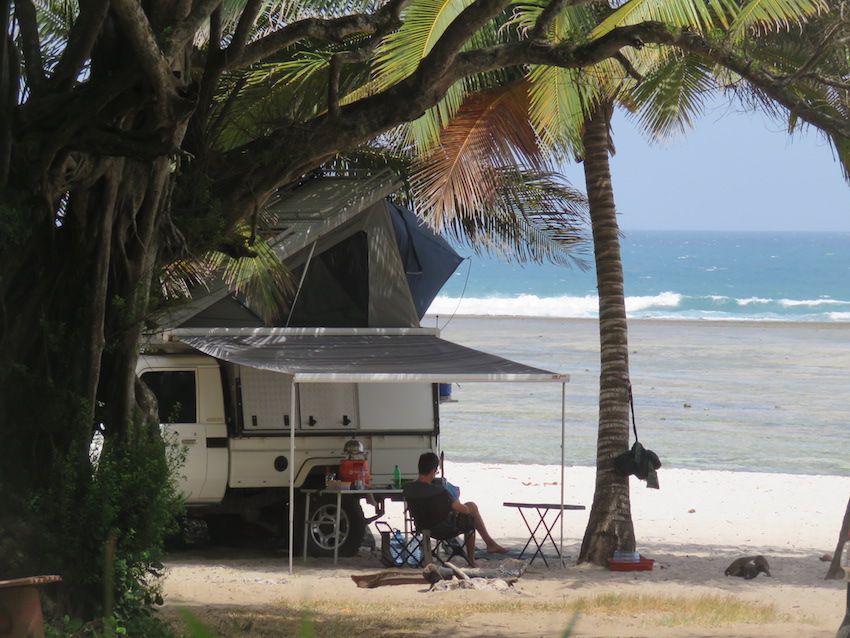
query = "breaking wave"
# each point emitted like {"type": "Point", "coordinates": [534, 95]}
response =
{"type": "Point", "coordinates": [666, 305]}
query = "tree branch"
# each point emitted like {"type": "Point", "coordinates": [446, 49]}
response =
{"type": "Point", "coordinates": [212, 68]}
{"type": "Point", "coordinates": [547, 17]}
{"type": "Point", "coordinates": [9, 81]}
{"type": "Point", "coordinates": [334, 67]}
{"type": "Point", "coordinates": [132, 18]}
{"type": "Point", "coordinates": [31, 49]}
{"type": "Point", "coordinates": [456, 35]}
{"type": "Point", "coordinates": [332, 30]}
{"type": "Point", "coordinates": [827, 81]}
{"type": "Point", "coordinates": [84, 34]}
{"type": "Point", "coordinates": [186, 29]}
{"type": "Point", "coordinates": [243, 29]}
{"type": "Point", "coordinates": [248, 174]}
{"type": "Point", "coordinates": [630, 70]}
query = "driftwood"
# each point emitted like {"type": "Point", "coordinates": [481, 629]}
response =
{"type": "Point", "coordinates": [389, 577]}
{"type": "Point", "coordinates": [509, 570]}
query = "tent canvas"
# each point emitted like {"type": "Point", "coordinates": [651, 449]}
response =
{"type": "Point", "coordinates": [357, 259]}
{"type": "Point", "coordinates": [363, 356]}
{"type": "Point", "coordinates": [429, 260]}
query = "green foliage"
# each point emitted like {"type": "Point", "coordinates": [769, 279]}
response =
{"type": "Point", "coordinates": [670, 97]}
{"type": "Point", "coordinates": [134, 505]}
{"type": "Point", "coordinates": [59, 510]}
{"type": "Point", "coordinates": [197, 629]}
{"type": "Point", "coordinates": [195, 626]}
{"type": "Point", "coordinates": [15, 226]}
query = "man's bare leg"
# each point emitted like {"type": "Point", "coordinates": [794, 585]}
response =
{"type": "Point", "coordinates": [492, 546]}
{"type": "Point", "coordinates": [469, 541]}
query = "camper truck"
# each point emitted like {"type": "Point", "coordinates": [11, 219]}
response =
{"type": "Point", "coordinates": [264, 413]}
{"type": "Point", "coordinates": [234, 423]}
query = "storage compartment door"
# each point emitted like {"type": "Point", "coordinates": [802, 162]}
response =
{"type": "Point", "coordinates": [396, 406]}
{"type": "Point", "coordinates": [266, 399]}
{"type": "Point", "coordinates": [328, 406]}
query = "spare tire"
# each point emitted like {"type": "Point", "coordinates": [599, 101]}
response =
{"type": "Point", "coordinates": [320, 526]}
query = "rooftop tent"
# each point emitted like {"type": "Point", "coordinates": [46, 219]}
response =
{"type": "Point", "coordinates": [358, 260]}
{"type": "Point", "coordinates": [428, 259]}
{"type": "Point", "coordinates": [360, 356]}
{"type": "Point", "coordinates": [361, 260]}
{"type": "Point", "coordinates": [351, 275]}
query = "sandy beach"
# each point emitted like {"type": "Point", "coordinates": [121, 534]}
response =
{"type": "Point", "coordinates": [767, 400]}
{"type": "Point", "coordinates": [693, 527]}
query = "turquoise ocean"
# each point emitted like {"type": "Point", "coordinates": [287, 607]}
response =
{"type": "Point", "coordinates": [674, 275]}
{"type": "Point", "coordinates": [739, 353]}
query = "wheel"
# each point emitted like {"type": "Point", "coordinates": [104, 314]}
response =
{"type": "Point", "coordinates": [320, 527]}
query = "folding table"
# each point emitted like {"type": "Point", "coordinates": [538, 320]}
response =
{"type": "Point", "coordinates": [542, 510]}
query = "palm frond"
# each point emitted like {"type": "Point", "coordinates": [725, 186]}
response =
{"type": "Point", "coordinates": [490, 184]}
{"type": "Point", "coordinates": [775, 14]}
{"type": "Point", "coordinates": [696, 14]}
{"type": "Point", "coordinates": [424, 21]}
{"type": "Point", "coordinates": [400, 53]}
{"type": "Point", "coordinates": [671, 97]}
{"type": "Point", "coordinates": [262, 279]}
{"type": "Point", "coordinates": [461, 175]}
{"type": "Point", "coordinates": [536, 217]}
{"type": "Point", "coordinates": [561, 98]}
{"type": "Point", "coordinates": [292, 89]}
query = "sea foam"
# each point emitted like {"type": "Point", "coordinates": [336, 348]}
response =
{"type": "Point", "coordinates": [666, 305]}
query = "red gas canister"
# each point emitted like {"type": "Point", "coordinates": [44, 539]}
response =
{"type": "Point", "coordinates": [349, 470]}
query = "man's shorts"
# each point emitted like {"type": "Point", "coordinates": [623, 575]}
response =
{"type": "Point", "coordinates": [456, 523]}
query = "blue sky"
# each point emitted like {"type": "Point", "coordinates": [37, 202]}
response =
{"type": "Point", "coordinates": [734, 171]}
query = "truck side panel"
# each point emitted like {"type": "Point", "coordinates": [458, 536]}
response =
{"type": "Point", "coordinates": [188, 390]}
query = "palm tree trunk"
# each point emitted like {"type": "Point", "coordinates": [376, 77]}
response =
{"type": "Point", "coordinates": [610, 525]}
{"type": "Point", "coordinates": [835, 570]}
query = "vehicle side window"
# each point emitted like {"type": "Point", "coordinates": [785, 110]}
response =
{"type": "Point", "coordinates": [175, 394]}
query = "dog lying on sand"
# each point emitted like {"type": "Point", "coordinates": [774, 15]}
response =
{"type": "Point", "coordinates": [748, 567]}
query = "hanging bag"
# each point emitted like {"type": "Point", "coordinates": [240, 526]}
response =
{"type": "Point", "coordinates": [639, 461]}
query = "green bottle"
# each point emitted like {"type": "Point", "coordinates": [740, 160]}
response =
{"type": "Point", "coordinates": [396, 478]}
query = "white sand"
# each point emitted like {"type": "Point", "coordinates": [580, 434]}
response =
{"type": "Point", "coordinates": [693, 527]}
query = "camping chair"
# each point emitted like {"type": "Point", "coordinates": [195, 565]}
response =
{"type": "Point", "coordinates": [426, 513]}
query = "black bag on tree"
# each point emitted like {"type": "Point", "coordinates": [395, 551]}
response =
{"type": "Point", "coordinates": [638, 461]}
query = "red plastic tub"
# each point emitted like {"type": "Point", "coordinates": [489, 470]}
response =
{"type": "Point", "coordinates": [641, 565]}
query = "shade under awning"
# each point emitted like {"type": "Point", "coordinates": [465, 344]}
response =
{"type": "Point", "coordinates": [358, 358]}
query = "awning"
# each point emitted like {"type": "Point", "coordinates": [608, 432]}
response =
{"type": "Point", "coordinates": [361, 356]}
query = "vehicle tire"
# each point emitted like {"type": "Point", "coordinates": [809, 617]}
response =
{"type": "Point", "coordinates": [320, 526]}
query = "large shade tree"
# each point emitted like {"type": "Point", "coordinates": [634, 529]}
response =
{"type": "Point", "coordinates": [133, 135]}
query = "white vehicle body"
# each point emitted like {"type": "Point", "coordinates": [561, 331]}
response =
{"type": "Point", "coordinates": [248, 446]}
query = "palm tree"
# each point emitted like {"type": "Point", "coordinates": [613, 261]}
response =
{"type": "Point", "coordinates": [609, 526]}
{"type": "Point", "coordinates": [572, 110]}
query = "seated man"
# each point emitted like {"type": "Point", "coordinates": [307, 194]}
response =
{"type": "Point", "coordinates": [461, 518]}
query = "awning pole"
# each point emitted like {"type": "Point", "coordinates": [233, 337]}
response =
{"type": "Point", "coordinates": [301, 283]}
{"type": "Point", "coordinates": [563, 442]}
{"type": "Point", "coordinates": [294, 414]}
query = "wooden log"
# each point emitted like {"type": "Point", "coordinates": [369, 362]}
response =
{"type": "Point", "coordinates": [389, 577]}
{"type": "Point", "coordinates": [506, 569]}
{"type": "Point", "coordinates": [461, 575]}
